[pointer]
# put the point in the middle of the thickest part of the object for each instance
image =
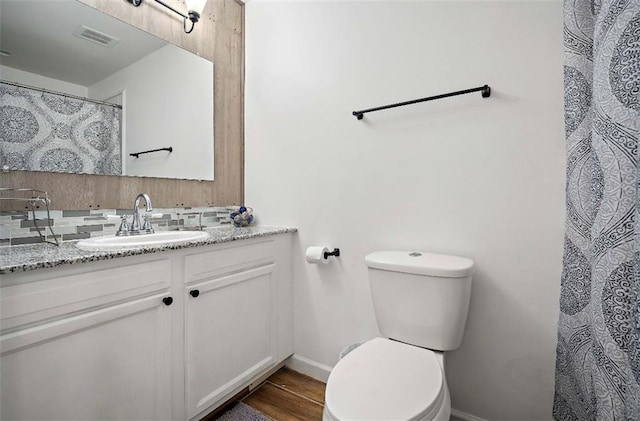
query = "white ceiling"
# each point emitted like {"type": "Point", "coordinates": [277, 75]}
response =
{"type": "Point", "coordinates": [39, 34]}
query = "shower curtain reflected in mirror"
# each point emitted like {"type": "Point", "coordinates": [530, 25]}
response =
{"type": "Point", "coordinates": [42, 131]}
{"type": "Point", "coordinates": [598, 353]}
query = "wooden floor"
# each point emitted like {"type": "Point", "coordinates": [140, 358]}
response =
{"type": "Point", "coordinates": [287, 396]}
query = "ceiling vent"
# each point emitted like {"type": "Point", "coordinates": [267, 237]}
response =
{"type": "Point", "coordinates": [98, 37]}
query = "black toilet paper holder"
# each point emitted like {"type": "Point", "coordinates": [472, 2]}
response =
{"type": "Point", "coordinates": [335, 252]}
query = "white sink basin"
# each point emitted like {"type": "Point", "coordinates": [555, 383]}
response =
{"type": "Point", "coordinates": [111, 242]}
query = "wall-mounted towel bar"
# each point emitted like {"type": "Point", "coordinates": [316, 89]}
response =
{"type": "Point", "coordinates": [137, 154]}
{"type": "Point", "coordinates": [486, 93]}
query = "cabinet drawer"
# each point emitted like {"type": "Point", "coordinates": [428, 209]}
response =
{"type": "Point", "coordinates": [229, 259]}
{"type": "Point", "coordinates": [50, 298]}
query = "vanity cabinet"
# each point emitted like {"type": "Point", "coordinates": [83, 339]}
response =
{"type": "Point", "coordinates": [232, 300]}
{"type": "Point", "coordinates": [87, 345]}
{"type": "Point", "coordinates": [229, 335]}
{"type": "Point", "coordinates": [169, 335]}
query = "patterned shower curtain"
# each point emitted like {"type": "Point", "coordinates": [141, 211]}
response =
{"type": "Point", "coordinates": [41, 131]}
{"type": "Point", "coordinates": [598, 353]}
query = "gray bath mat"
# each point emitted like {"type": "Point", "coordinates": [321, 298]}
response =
{"type": "Point", "coordinates": [242, 412]}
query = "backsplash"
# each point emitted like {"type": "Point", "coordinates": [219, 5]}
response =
{"type": "Point", "coordinates": [17, 227]}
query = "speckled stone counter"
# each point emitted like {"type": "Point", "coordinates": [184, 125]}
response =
{"type": "Point", "coordinates": [38, 256]}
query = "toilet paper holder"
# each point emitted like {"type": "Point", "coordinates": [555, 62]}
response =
{"type": "Point", "coordinates": [335, 252]}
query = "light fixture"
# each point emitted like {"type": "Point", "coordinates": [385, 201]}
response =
{"type": "Point", "coordinates": [194, 11]}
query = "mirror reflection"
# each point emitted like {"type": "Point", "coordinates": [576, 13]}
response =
{"type": "Point", "coordinates": [83, 92]}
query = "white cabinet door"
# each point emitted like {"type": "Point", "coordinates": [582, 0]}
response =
{"type": "Point", "coordinates": [108, 364]}
{"type": "Point", "coordinates": [230, 331]}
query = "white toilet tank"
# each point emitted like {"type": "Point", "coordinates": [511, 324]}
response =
{"type": "Point", "coordinates": [421, 298]}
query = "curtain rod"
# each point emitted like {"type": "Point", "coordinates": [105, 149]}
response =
{"type": "Point", "coordinates": [34, 88]}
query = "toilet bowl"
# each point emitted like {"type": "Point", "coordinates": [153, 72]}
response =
{"type": "Point", "coordinates": [421, 302]}
{"type": "Point", "coordinates": [388, 380]}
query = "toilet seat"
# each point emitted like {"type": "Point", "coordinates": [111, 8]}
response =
{"type": "Point", "coordinates": [385, 380]}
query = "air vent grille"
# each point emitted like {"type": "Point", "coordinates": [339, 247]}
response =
{"type": "Point", "coordinates": [98, 37]}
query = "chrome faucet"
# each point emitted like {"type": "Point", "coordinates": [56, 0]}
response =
{"type": "Point", "coordinates": [135, 223]}
{"type": "Point", "coordinates": [136, 227]}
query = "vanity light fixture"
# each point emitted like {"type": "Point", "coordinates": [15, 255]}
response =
{"type": "Point", "coordinates": [194, 7]}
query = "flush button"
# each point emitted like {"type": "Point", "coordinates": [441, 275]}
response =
{"type": "Point", "coordinates": [415, 254]}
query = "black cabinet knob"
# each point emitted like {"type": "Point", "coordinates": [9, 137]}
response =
{"type": "Point", "coordinates": [167, 301]}
{"type": "Point", "coordinates": [194, 293]}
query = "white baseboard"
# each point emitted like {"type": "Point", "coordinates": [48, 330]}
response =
{"type": "Point", "coordinates": [463, 416]}
{"type": "Point", "coordinates": [309, 367]}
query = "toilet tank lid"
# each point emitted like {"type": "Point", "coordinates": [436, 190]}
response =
{"type": "Point", "coordinates": [420, 263]}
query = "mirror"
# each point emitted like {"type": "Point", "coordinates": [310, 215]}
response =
{"type": "Point", "coordinates": [83, 92]}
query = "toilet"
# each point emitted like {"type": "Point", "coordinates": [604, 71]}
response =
{"type": "Point", "coordinates": [421, 302]}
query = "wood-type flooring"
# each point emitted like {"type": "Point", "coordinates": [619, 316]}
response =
{"type": "Point", "coordinates": [285, 396]}
{"type": "Point", "coordinates": [289, 396]}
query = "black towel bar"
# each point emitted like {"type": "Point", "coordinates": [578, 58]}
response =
{"type": "Point", "coordinates": [486, 93]}
{"type": "Point", "coordinates": [137, 154]}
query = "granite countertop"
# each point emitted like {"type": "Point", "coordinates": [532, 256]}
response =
{"type": "Point", "coordinates": [38, 256]}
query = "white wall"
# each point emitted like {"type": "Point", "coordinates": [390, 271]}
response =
{"type": "Point", "coordinates": [163, 107]}
{"type": "Point", "coordinates": [33, 79]}
{"type": "Point", "coordinates": [482, 178]}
